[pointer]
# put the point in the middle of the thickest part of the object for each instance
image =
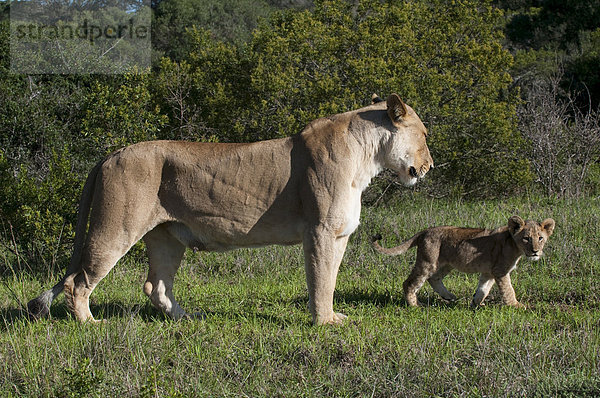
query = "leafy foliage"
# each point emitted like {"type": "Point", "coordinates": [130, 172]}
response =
{"type": "Point", "coordinates": [446, 61]}
{"type": "Point", "coordinates": [542, 33]}
{"type": "Point", "coordinates": [117, 115]}
{"type": "Point", "coordinates": [228, 20]}
{"type": "Point", "coordinates": [40, 212]}
{"type": "Point", "coordinates": [53, 129]}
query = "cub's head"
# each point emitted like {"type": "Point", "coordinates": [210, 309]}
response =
{"type": "Point", "coordinates": [530, 236]}
{"type": "Point", "coordinates": [406, 151]}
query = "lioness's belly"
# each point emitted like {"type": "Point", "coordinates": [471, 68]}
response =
{"type": "Point", "coordinates": [201, 237]}
{"type": "Point", "coordinates": [236, 199]}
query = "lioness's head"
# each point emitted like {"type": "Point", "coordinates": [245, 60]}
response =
{"type": "Point", "coordinates": [530, 236]}
{"type": "Point", "coordinates": [407, 152]}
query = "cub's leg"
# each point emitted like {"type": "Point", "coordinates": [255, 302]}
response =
{"type": "Point", "coordinates": [486, 281]}
{"type": "Point", "coordinates": [437, 284]}
{"type": "Point", "coordinates": [414, 282]}
{"type": "Point", "coordinates": [323, 254]}
{"type": "Point", "coordinates": [425, 266]}
{"type": "Point", "coordinates": [164, 253]}
{"type": "Point", "coordinates": [507, 291]}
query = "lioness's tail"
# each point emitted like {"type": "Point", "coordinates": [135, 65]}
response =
{"type": "Point", "coordinates": [394, 251]}
{"type": "Point", "coordinates": [40, 306]}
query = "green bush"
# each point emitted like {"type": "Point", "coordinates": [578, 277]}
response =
{"type": "Point", "coordinates": [120, 114]}
{"type": "Point", "coordinates": [446, 60]}
{"type": "Point", "coordinates": [53, 131]}
{"type": "Point", "coordinates": [39, 213]}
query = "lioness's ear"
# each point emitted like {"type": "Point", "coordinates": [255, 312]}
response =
{"type": "Point", "coordinates": [515, 224]}
{"type": "Point", "coordinates": [395, 108]}
{"type": "Point", "coordinates": [375, 99]}
{"type": "Point", "coordinates": [548, 226]}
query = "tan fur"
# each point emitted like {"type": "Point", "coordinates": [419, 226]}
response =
{"type": "Point", "coordinates": [215, 197]}
{"type": "Point", "coordinates": [491, 253]}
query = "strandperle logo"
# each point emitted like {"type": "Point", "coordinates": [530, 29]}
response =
{"type": "Point", "coordinates": [79, 36]}
{"type": "Point", "coordinates": [86, 30]}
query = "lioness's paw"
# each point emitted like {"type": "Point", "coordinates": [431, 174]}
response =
{"type": "Point", "coordinates": [518, 305]}
{"type": "Point", "coordinates": [93, 321]}
{"type": "Point", "coordinates": [339, 317]}
{"type": "Point", "coordinates": [335, 319]}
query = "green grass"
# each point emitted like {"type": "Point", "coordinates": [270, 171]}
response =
{"type": "Point", "coordinates": [257, 339]}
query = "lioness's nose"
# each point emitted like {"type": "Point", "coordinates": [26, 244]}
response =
{"type": "Point", "coordinates": [413, 172]}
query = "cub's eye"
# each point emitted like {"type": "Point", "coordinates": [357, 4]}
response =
{"type": "Point", "coordinates": [541, 239]}
{"type": "Point", "coordinates": [527, 239]}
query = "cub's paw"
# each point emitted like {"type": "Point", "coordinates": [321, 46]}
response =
{"type": "Point", "coordinates": [198, 315]}
{"type": "Point", "coordinates": [450, 299]}
{"type": "Point", "coordinates": [475, 305]}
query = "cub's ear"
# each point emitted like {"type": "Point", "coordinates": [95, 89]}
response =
{"type": "Point", "coordinates": [548, 226]}
{"type": "Point", "coordinates": [515, 224]}
{"type": "Point", "coordinates": [395, 108]}
{"type": "Point", "coordinates": [375, 99]}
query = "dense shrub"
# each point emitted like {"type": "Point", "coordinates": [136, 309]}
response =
{"type": "Point", "coordinates": [53, 129]}
{"type": "Point", "coordinates": [446, 60]}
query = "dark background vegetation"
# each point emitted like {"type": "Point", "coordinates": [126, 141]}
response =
{"type": "Point", "coordinates": [509, 90]}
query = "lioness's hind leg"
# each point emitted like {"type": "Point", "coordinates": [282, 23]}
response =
{"type": "Point", "coordinates": [164, 253]}
{"type": "Point", "coordinates": [436, 282]}
{"type": "Point", "coordinates": [79, 285]}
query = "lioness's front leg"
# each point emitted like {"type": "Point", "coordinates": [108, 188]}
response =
{"type": "Point", "coordinates": [323, 254]}
{"type": "Point", "coordinates": [507, 291]}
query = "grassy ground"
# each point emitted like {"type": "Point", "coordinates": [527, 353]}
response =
{"type": "Point", "coordinates": [257, 339]}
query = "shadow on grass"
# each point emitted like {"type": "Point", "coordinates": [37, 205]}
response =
{"type": "Point", "coordinates": [146, 312]}
{"type": "Point", "coordinates": [105, 311]}
{"type": "Point", "coordinates": [377, 299]}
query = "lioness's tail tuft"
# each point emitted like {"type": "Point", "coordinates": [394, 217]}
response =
{"type": "Point", "coordinates": [37, 309]}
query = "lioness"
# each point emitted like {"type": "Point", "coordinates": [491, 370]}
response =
{"type": "Point", "coordinates": [492, 253]}
{"type": "Point", "coordinates": [215, 197]}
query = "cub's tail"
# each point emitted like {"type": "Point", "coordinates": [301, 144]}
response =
{"type": "Point", "coordinates": [40, 306]}
{"type": "Point", "coordinates": [394, 251]}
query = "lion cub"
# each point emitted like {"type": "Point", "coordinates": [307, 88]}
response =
{"type": "Point", "coordinates": [492, 253]}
